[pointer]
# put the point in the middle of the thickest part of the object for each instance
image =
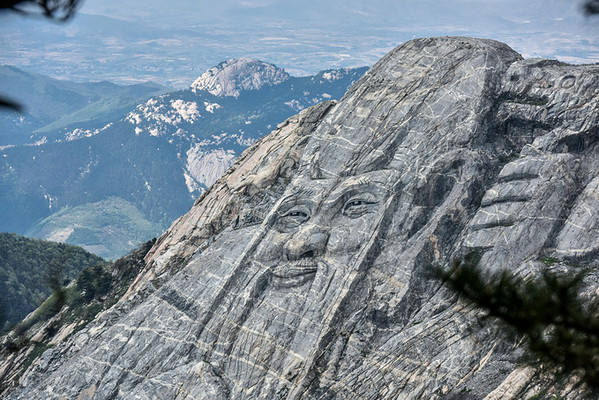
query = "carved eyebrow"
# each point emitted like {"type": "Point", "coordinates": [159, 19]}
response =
{"type": "Point", "coordinates": [302, 196]}
{"type": "Point", "coordinates": [302, 192]}
{"type": "Point", "coordinates": [364, 182]}
{"type": "Point", "coordinates": [343, 193]}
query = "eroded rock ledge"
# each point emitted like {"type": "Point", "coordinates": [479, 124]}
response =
{"type": "Point", "coordinates": [302, 273]}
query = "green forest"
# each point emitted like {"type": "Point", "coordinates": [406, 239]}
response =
{"type": "Point", "coordinates": [30, 269]}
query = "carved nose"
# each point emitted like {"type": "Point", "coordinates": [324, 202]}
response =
{"type": "Point", "coordinates": [308, 243]}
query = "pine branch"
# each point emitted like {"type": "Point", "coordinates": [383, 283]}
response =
{"type": "Point", "coordinates": [546, 310]}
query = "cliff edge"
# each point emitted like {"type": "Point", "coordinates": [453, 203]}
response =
{"type": "Point", "coordinates": [303, 272]}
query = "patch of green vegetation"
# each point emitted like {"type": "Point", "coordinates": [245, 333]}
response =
{"type": "Point", "coordinates": [575, 265]}
{"type": "Point", "coordinates": [47, 310]}
{"type": "Point", "coordinates": [539, 396]}
{"type": "Point", "coordinates": [109, 228]}
{"type": "Point", "coordinates": [542, 395]}
{"type": "Point", "coordinates": [85, 236]}
{"type": "Point", "coordinates": [37, 351]}
{"type": "Point", "coordinates": [549, 261]}
{"type": "Point", "coordinates": [30, 268]}
{"type": "Point", "coordinates": [504, 159]}
{"type": "Point", "coordinates": [94, 282]}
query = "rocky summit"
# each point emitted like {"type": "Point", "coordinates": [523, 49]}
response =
{"type": "Point", "coordinates": [231, 77]}
{"type": "Point", "coordinates": [303, 273]}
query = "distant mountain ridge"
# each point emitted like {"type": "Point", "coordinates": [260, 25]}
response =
{"type": "Point", "coordinates": [52, 105]}
{"type": "Point", "coordinates": [147, 167]}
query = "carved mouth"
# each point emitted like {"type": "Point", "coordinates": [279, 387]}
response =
{"type": "Point", "coordinates": [296, 273]}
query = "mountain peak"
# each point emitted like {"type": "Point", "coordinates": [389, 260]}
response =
{"type": "Point", "coordinates": [231, 77]}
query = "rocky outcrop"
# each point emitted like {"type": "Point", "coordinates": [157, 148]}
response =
{"type": "Point", "coordinates": [231, 77]}
{"type": "Point", "coordinates": [242, 196]}
{"type": "Point", "coordinates": [303, 272]}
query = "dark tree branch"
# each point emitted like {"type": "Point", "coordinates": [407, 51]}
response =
{"type": "Point", "coordinates": [59, 10]}
{"type": "Point", "coordinates": [547, 311]}
{"type": "Point", "coordinates": [591, 7]}
{"type": "Point", "coordinates": [11, 105]}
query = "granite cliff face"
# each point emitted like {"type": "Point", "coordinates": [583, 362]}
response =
{"type": "Point", "coordinates": [303, 272]}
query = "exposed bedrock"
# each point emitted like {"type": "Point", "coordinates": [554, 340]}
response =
{"type": "Point", "coordinates": [303, 272]}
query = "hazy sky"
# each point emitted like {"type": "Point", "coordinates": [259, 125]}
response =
{"type": "Point", "coordinates": [174, 41]}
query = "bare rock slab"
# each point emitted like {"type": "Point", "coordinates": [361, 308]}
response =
{"type": "Point", "coordinates": [302, 273]}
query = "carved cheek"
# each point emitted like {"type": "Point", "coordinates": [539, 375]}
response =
{"type": "Point", "coordinates": [345, 240]}
{"type": "Point", "coordinates": [350, 235]}
{"type": "Point", "coordinates": [271, 247]}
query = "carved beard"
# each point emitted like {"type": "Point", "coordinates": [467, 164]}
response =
{"type": "Point", "coordinates": [281, 321]}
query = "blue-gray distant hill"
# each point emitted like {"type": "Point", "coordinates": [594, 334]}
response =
{"type": "Point", "coordinates": [113, 186]}
{"type": "Point", "coordinates": [52, 106]}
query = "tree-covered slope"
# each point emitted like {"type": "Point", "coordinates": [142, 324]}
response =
{"type": "Point", "coordinates": [28, 270]}
{"type": "Point", "coordinates": [68, 310]}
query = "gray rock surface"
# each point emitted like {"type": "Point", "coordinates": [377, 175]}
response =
{"type": "Point", "coordinates": [231, 77]}
{"type": "Point", "coordinates": [303, 272]}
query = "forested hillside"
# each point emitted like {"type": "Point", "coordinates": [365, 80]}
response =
{"type": "Point", "coordinates": [28, 270]}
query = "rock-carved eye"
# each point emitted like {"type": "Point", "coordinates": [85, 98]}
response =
{"type": "Point", "coordinates": [292, 218]}
{"type": "Point", "coordinates": [359, 205]}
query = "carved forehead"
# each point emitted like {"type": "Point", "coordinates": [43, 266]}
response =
{"type": "Point", "coordinates": [380, 182]}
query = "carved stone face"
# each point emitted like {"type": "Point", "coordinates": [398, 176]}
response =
{"type": "Point", "coordinates": [322, 228]}
{"type": "Point", "coordinates": [317, 238]}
